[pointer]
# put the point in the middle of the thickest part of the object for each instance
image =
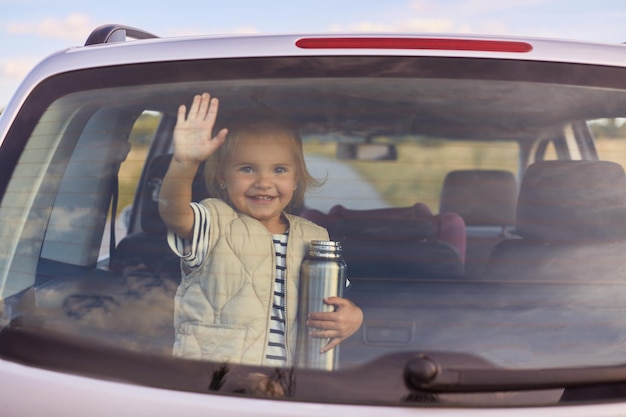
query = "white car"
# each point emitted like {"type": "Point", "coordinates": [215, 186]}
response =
{"type": "Point", "coordinates": [476, 185]}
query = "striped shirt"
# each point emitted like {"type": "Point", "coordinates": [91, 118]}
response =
{"type": "Point", "coordinates": [276, 349]}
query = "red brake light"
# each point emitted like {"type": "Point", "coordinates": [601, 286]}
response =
{"type": "Point", "coordinates": [414, 43]}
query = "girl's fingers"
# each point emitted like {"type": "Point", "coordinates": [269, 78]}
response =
{"type": "Point", "coordinates": [338, 302]}
{"type": "Point", "coordinates": [324, 334]}
{"type": "Point", "coordinates": [318, 321]}
{"type": "Point", "coordinates": [195, 106]}
{"type": "Point", "coordinates": [182, 113]}
{"type": "Point", "coordinates": [211, 110]}
{"type": "Point", "coordinates": [204, 106]}
{"type": "Point", "coordinates": [330, 345]}
{"type": "Point", "coordinates": [335, 338]}
{"type": "Point", "coordinates": [221, 135]}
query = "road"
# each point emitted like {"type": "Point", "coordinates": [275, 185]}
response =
{"type": "Point", "coordinates": [343, 186]}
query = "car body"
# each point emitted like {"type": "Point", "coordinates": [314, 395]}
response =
{"type": "Point", "coordinates": [475, 184]}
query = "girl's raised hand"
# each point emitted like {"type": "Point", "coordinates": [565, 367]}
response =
{"type": "Point", "coordinates": [192, 135]}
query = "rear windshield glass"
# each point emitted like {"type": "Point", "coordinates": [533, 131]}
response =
{"type": "Point", "coordinates": [476, 206]}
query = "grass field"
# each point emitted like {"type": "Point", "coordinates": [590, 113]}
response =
{"type": "Point", "coordinates": [419, 171]}
{"type": "Point", "coordinates": [613, 149]}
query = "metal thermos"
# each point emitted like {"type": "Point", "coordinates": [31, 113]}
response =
{"type": "Point", "coordinates": [322, 274]}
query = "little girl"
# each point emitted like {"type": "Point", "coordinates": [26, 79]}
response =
{"type": "Point", "coordinates": [241, 252]}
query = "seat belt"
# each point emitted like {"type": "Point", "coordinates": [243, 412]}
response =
{"type": "Point", "coordinates": [114, 202]}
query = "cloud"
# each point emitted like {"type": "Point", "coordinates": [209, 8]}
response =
{"type": "Point", "coordinates": [471, 7]}
{"type": "Point", "coordinates": [245, 30]}
{"type": "Point", "coordinates": [188, 31]}
{"type": "Point", "coordinates": [16, 68]}
{"type": "Point", "coordinates": [408, 25]}
{"type": "Point", "coordinates": [75, 27]}
{"type": "Point", "coordinates": [413, 25]}
{"type": "Point", "coordinates": [423, 6]}
{"type": "Point", "coordinates": [469, 16]}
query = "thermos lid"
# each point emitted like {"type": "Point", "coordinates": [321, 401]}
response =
{"type": "Point", "coordinates": [325, 248]}
{"type": "Point", "coordinates": [326, 245]}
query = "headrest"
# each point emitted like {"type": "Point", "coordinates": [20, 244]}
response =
{"type": "Point", "coordinates": [481, 197]}
{"type": "Point", "coordinates": [318, 217]}
{"type": "Point", "coordinates": [572, 200]}
{"type": "Point", "coordinates": [357, 224]}
{"type": "Point", "coordinates": [363, 228]}
{"type": "Point", "coordinates": [150, 219]}
{"type": "Point", "coordinates": [416, 210]}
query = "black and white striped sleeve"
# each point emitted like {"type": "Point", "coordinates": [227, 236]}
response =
{"type": "Point", "coordinates": [193, 251]}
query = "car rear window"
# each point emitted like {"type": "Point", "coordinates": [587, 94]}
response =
{"type": "Point", "coordinates": [479, 204]}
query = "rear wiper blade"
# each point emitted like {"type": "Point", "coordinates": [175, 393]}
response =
{"type": "Point", "coordinates": [440, 372]}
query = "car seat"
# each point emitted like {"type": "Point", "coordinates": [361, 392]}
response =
{"type": "Point", "coordinates": [481, 197]}
{"type": "Point", "coordinates": [486, 200]}
{"type": "Point", "coordinates": [396, 242]}
{"type": "Point", "coordinates": [571, 217]}
{"type": "Point", "coordinates": [148, 248]}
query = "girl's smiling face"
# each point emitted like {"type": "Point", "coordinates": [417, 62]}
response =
{"type": "Point", "coordinates": [260, 177]}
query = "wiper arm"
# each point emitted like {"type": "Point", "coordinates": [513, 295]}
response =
{"type": "Point", "coordinates": [451, 372]}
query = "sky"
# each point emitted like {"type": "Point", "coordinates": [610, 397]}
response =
{"type": "Point", "coordinates": [32, 29]}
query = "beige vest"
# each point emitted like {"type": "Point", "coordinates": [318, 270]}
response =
{"type": "Point", "coordinates": [222, 308]}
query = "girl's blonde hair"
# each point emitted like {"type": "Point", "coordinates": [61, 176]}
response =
{"type": "Point", "coordinates": [259, 123]}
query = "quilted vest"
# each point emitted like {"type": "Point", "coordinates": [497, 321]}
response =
{"type": "Point", "coordinates": [222, 308]}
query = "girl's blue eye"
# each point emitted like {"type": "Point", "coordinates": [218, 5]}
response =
{"type": "Point", "coordinates": [247, 169]}
{"type": "Point", "coordinates": [280, 170]}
